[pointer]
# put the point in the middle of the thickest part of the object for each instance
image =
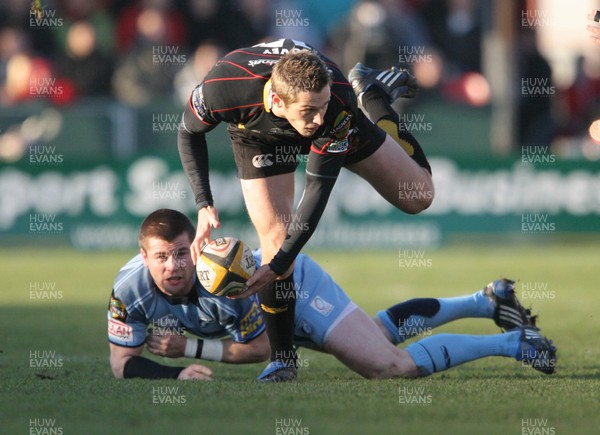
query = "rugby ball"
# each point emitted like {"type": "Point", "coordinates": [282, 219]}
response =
{"type": "Point", "coordinates": [224, 266]}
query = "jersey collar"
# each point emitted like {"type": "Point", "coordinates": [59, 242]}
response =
{"type": "Point", "coordinates": [267, 101]}
{"type": "Point", "coordinates": [188, 299]}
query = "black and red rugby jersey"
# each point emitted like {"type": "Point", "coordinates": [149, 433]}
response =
{"type": "Point", "coordinates": [233, 92]}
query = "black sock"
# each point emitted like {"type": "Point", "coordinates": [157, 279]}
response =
{"type": "Point", "coordinates": [376, 103]}
{"type": "Point", "coordinates": [426, 307]}
{"type": "Point", "coordinates": [380, 111]}
{"type": "Point", "coordinates": [278, 303]}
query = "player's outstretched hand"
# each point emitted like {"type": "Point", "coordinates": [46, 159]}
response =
{"type": "Point", "coordinates": [197, 372]}
{"type": "Point", "coordinates": [594, 16]}
{"type": "Point", "coordinates": [170, 345]}
{"type": "Point", "coordinates": [263, 277]}
{"type": "Point", "coordinates": [208, 217]}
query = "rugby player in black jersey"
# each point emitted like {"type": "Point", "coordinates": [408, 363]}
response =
{"type": "Point", "coordinates": [282, 99]}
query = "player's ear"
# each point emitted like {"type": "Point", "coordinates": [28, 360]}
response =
{"type": "Point", "coordinates": [144, 256]}
{"type": "Point", "coordinates": [276, 101]}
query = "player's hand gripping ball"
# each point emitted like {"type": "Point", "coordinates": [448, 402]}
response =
{"type": "Point", "coordinates": [224, 266]}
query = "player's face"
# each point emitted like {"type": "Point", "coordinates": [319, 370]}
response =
{"type": "Point", "coordinates": [170, 264]}
{"type": "Point", "coordinates": [307, 112]}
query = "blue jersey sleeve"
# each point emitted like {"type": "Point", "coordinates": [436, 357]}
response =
{"type": "Point", "coordinates": [125, 327]}
{"type": "Point", "coordinates": [127, 322]}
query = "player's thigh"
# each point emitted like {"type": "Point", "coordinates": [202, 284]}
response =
{"type": "Point", "coordinates": [358, 343]}
{"type": "Point", "coordinates": [390, 170]}
{"type": "Point", "coordinates": [269, 202]}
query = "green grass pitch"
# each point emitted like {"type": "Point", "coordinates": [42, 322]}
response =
{"type": "Point", "coordinates": [78, 395]}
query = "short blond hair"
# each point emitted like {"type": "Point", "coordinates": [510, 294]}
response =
{"type": "Point", "coordinates": [299, 71]}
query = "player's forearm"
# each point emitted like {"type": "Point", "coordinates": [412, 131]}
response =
{"type": "Point", "coordinates": [193, 152]}
{"type": "Point", "coordinates": [227, 350]}
{"type": "Point", "coordinates": [240, 353]}
{"type": "Point", "coordinates": [309, 212]}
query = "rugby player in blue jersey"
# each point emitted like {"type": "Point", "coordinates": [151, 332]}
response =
{"type": "Point", "coordinates": [157, 298]}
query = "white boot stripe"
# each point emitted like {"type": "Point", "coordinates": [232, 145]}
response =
{"type": "Point", "coordinates": [510, 311]}
{"type": "Point", "coordinates": [510, 316]}
{"type": "Point", "coordinates": [387, 77]}
{"type": "Point", "coordinates": [394, 79]}
{"type": "Point", "coordinates": [381, 74]}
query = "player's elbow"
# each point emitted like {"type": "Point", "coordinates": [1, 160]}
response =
{"type": "Point", "coordinates": [263, 355]}
{"type": "Point", "coordinates": [261, 349]}
{"type": "Point", "coordinates": [262, 352]}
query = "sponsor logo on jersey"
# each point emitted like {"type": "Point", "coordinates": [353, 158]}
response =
{"type": "Point", "coordinates": [277, 47]}
{"type": "Point", "coordinates": [120, 331]}
{"type": "Point", "coordinates": [117, 308]}
{"type": "Point", "coordinates": [341, 125]}
{"type": "Point", "coordinates": [262, 160]}
{"type": "Point", "coordinates": [321, 305]}
{"type": "Point", "coordinates": [251, 321]}
{"type": "Point", "coordinates": [198, 102]}
{"type": "Point", "coordinates": [338, 146]}
{"type": "Point", "coordinates": [269, 62]}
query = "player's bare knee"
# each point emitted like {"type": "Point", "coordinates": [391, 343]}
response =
{"type": "Point", "coordinates": [416, 207]}
{"type": "Point", "coordinates": [417, 199]}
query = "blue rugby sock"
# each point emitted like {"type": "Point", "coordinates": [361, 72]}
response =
{"type": "Point", "coordinates": [442, 351]}
{"type": "Point", "coordinates": [420, 316]}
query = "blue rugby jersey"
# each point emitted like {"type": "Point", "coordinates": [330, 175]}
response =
{"type": "Point", "coordinates": [136, 304]}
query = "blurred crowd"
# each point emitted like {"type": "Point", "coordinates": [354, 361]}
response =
{"type": "Point", "coordinates": [131, 50]}
{"type": "Point", "coordinates": [138, 51]}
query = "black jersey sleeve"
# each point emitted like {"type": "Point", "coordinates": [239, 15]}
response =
{"type": "Point", "coordinates": [322, 171]}
{"type": "Point", "coordinates": [230, 93]}
{"type": "Point", "coordinates": [326, 157]}
{"type": "Point", "coordinates": [196, 121]}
